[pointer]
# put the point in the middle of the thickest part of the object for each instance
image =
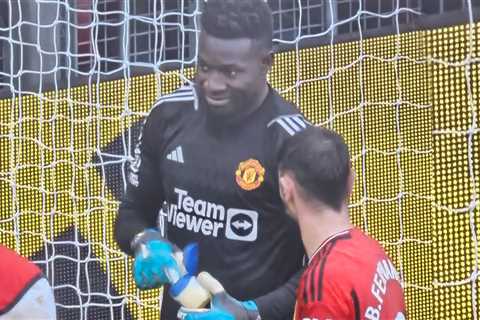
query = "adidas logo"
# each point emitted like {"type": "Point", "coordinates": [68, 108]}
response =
{"type": "Point", "coordinates": [176, 155]}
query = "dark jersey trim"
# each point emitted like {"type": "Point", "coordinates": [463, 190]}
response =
{"type": "Point", "coordinates": [19, 296]}
{"type": "Point", "coordinates": [356, 304]}
{"type": "Point", "coordinates": [318, 282]}
{"type": "Point", "coordinates": [314, 285]}
{"type": "Point", "coordinates": [185, 93]}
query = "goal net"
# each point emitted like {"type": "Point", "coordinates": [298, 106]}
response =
{"type": "Point", "coordinates": [399, 79]}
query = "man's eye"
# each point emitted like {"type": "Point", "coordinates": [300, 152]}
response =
{"type": "Point", "coordinates": [232, 73]}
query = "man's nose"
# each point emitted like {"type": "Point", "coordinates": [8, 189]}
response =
{"type": "Point", "coordinates": [215, 82]}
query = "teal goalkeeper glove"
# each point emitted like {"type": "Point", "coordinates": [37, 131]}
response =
{"type": "Point", "coordinates": [155, 263]}
{"type": "Point", "coordinates": [158, 262]}
{"type": "Point", "coordinates": [222, 305]}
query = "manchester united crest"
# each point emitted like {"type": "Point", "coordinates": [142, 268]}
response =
{"type": "Point", "coordinates": [250, 174]}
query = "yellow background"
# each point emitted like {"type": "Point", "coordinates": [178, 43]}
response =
{"type": "Point", "coordinates": [405, 105]}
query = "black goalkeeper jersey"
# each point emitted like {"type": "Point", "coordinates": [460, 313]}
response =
{"type": "Point", "coordinates": [220, 183]}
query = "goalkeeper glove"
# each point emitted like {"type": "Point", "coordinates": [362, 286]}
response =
{"type": "Point", "coordinates": [222, 305]}
{"type": "Point", "coordinates": [158, 262]}
{"type": "Point", "coordinates": [187, 291]}
{"type": "Point", "coordinates": [155, 263]}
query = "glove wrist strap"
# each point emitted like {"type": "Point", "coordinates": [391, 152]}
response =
{"type": "Point", "coordinates": [253, 315]}
{"type": "Point", "coordinates": [145, 236]}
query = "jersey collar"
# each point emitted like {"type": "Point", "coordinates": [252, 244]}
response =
{"type": "Point", "coordinates": [330, 238]}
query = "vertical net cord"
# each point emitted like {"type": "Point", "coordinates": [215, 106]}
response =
{"type": "Point", "coordinates": [94, 111]}
{"type": "Point", "coordinates": [398, 106]}
{"type": "Point", "coordinates": [125, 123]}
{"type": "Point", "coordinates": [43, 166]}
{"type": "Point", "coordinates": [298, 64]}
{"type": "Point", "coordinates": [331, 107]}
{"type": "Point", "coordinates": [472, 130]}
{"type": "Point", "coordinates": [13, 152]}
{"type": "Point", "coordinates": [40, 138]}
{"type": "Point", "coordinates": [362, 106]}
{"type": "Point", "coordinates": [470, 133]}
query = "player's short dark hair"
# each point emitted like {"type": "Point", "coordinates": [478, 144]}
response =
{"type": "Point", "coordinates": [320, 163]}
{"type": "Point", "coordinates": [232, 19]}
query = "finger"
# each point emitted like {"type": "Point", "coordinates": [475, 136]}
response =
{"type": "Point", "coordinates": [207, 281]}
{"type": "Point", "coordinates": [195, 314]}
{"type": "Point", "coordinates": [137, 274]}
{"type": "Point", "coordinates": [172, 274]}
{"type": "Point", "coordinates": [190, 258]}
{"type": "Point", "coordinates": [145, 280]}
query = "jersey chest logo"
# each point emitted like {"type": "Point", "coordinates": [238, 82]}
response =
{"type": "Point", "coordinates": [250, 174]}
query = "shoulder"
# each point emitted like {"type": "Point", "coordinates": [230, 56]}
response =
{"type": "Point", "coordinates": [330, 269]}
{"type": "Point", "coordinates": [180, 102]}
{"type": "Point", "coordinates": [289, 124]}
{"type": "Point", "coordinates": [13, 261]}
{"type": "Point", "coordinates": [349, 253]}
{"type": "Point", "coordinates": [366, 244]}
{"type": "Point", "coordinates": [12, 257]}
{"type": "Point", "coordinates": [286, 117]}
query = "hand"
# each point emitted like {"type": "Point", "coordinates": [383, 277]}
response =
{"type": "Point", "coordinates": [222, 306]}
{"type": "Point", "coordinates": [155, 263]}
{"type": "Point", "coordinates": [187, 291]}
{"type": "Point", "coordinates": [158, 262]}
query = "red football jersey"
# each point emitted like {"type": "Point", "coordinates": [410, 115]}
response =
{"type": "Point", "coordinates": [17, 275]}
{"type": "Point", "coordinates": [350, 277]}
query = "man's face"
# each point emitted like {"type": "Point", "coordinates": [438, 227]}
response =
{"type": "Point", "coordinates": [231, 74]}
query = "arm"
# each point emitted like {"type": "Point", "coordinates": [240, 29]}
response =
{"type": "Point", "coordinates": [136, 228]}
{"type": "Point", "coordinates": [280, 303]}
{"type": "Point", "coordinates": [142, 199]}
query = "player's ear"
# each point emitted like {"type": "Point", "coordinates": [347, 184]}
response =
{"type": "Point", "coordinates": [267, 60]}
{"type": "Point", "coordinates": [285, 185]}
{"type": "Point", "coordinates": [281, 186]}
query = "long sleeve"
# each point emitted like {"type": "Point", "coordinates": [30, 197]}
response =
{"type": "Point", "coordinates": [143, 197]}
{"type": "Point", "coordinates": [280, 303]}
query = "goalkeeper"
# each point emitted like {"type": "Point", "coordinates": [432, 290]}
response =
{"type": "Point", "coordinates": [207, 155]}
{"type": "Point", "coordinates": [349, 275]}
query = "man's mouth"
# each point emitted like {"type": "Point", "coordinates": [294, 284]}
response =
{"type": "Point", "coordinates": [217, 101]}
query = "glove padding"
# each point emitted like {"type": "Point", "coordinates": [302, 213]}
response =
{"type": "Point", "coordinates": [222, 305]}
{"type": "Point", "coordinates": [155, 263]}
{"type": "Point", "coordinates": [158, 262]}
{"type": "Point", "coordinates": [187, 291]}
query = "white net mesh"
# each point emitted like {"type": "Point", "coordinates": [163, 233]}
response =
{"type": "Point", "coordinates": [78, 76]}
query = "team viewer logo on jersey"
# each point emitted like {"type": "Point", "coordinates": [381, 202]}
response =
{"type": "Point", "coordinates": [209, 218]}
{"type": "Point", "coordinates": [250, 174]}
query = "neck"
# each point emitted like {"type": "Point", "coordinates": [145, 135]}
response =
{"type": "Point", "coordinates": [261, 97]}
{"type": "Point", "coordinates": [255, 103]}
{"type": "Point", "coordinates": [317, 224]}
